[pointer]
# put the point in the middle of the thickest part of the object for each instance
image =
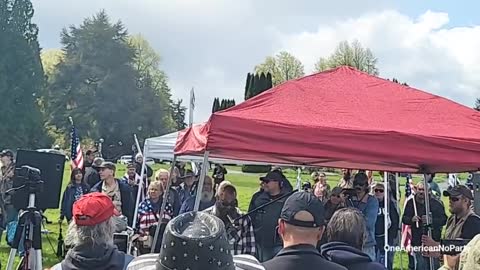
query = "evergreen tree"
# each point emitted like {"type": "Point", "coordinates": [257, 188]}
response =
{"type": "Point", "coordinates": [22, 78]}
{"type": "Point", "coordinates": [178, 114]}
{"type": "Point", "coordinates": [222, 105]}
{"type": "Point", "coordinates": [269, 81]}
{"type": "Point", "coordinates": [477, 104]}
{"type": "Point", "coordinates": [251, 86]}
{"type": "Point", "coordinates": [98, 85]}
{"type": "Point", "coordinates": [216, 105]}
{"type": "Point", "coordinates": [247, 86]}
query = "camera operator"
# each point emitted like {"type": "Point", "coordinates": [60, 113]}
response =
{"type": "Point", "coordinates": [415, 216]}
{"type": "Point", "coordinates": [368, 205]}
{"type": "Point", "coordinates": [7, 210]}
{"type": "Point", "coordinates": [463, 223]}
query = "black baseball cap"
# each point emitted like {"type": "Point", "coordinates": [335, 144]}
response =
{"type": "Point", "coordinates": [457, 191]}
{"type": "Point", "coordinates": [6, 153]}
{"type": "Point", "coordinates": [303, 201]}
{"type": "Point", "coordinates": [337, 191]}
{"type": "Point", "coordinates": [131, 165]}
{"type": "Point", "coordinates": [108, 165]}
{"type": "Point", "coordinates": [273, 176]}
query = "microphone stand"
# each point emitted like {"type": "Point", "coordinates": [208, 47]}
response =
{"type": "Point", "coordinates": [264, 205]}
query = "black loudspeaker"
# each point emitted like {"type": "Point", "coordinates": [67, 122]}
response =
{"type": "Point", "coordinates": [51, 168]}
{"type": "Point", "coordinates": [476, 192]}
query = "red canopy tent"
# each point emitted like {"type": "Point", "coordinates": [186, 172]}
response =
{"type": "Point", "coordinates": [343, 118]}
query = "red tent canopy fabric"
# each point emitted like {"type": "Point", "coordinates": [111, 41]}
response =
{"type": "Point", "coordinates": [343, 118]}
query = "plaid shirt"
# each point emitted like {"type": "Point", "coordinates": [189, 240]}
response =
{"type": "Point", "coordinates": [147, 217]}
{"type": "Point", "coordinates": [243, 238]}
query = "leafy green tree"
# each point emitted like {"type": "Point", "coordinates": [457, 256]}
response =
{"type": "Point", "coordinates": [282, 67]}
{"type": "Point", "coordinates": [22, 77]}
{"type": "Point", "coordinates": [147, 64]}
{"type": "Point", "coordinates": [97, 84]}
{"type": "Point", "coordinates": [50, 59]}
{"type": "Point", "coordinates": [353, 55]}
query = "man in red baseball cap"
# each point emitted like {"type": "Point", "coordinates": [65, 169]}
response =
{"type": "Point", "coordinates": [91, 235]}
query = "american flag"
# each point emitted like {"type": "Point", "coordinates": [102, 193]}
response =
{"type": "Point", "coordinates": [408, 187]}
{"type": "Point", "coordinates": [407, 229]}
{"type": "Point", "coordinates": [76, 151]}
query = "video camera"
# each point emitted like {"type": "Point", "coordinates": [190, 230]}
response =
{"type": "Point", "coordinates": [349, 192]}
{"type": "Point", "coordinates": [453, 246]}
{"type": "Point", "coordinates": [30, 178]}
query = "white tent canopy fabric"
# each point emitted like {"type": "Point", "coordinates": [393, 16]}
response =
{"type": "Point", "coordinates": [162, 148]}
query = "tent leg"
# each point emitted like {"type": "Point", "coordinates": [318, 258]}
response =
{"type": "Point", "coordinates": [166, 194]}
{"type": "Point", "coordinates": [203, 173]}
{"type": "Point", "coordinates": [386, 203]}
{"type": "Point", "coordinates": [299, 178]}
{"type": "Point", "coordinates": [427, 212]}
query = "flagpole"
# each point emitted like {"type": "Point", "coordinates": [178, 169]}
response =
{"type": "Point", "coordinates": [140, 184]}
{"type": "Point", "coordinates": [192, 107]}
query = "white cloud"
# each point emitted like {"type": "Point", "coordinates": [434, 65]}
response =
{"type": "Point", "coordinates": [423, 52]}
{"type": "Point", "coordinates": [212, 44]}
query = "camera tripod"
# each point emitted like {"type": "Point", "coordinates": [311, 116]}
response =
{"type": "Point", "coordinates": [28, 232]}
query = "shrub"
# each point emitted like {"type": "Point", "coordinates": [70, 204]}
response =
{"type": "Point", "coordinates": [256, 168]}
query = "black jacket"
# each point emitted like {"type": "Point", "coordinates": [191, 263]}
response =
{"type": "Point", "coordinates": [138, 169]}
{"type": "Point", "coordinates": [94, 257]}
{"type": "Point", "coordinates": [350, 257]}
{"type": "Point", "coordinates": [439, 219]}
{"type": "Point", "coordinates": [69, 198]}
{"type": "Point", "coordinates": [128, 205]}
{"type": "Point", "coordinates": [91, 176]}
{"type": "Point", "coordinates": [300, 257]}
{"type": "Point", "coordinates": [379, 225]}
{"type": "Point", "coordinates": [265, 220]}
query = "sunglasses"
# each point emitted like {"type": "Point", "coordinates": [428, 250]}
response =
{"type": "Point", "coordinates": [379, 190]}
{"type": "Point", "coordinates": [454, 199]}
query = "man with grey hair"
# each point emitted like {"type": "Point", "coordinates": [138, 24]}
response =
{"type": "Point", "coordinates": [207, 198]}
{"type": "Point", "coordinates": [346, 236]}
{"type": "Point", "coordinates": [91, 236]}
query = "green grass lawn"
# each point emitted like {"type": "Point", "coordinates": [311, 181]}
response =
{"type": "Point", "coordinates": [247, 185]}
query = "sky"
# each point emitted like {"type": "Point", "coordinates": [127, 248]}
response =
{"type": "Point", "coordinates": [211, 45]}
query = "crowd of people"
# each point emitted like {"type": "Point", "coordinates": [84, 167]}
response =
{"type": "Point", "coordinates": [329, 228]}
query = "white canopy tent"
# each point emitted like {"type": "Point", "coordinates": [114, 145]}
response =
{"type": "Point", "coordinates": [162, 148]}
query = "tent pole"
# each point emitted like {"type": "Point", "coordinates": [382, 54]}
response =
{"type": "Point", "coordinates": [299, 178]}
{"type": "Point", "coordinates": [386, 202]}
{"type": "Point", "coordinates": [203, 173]}
{"type": "Point", "coordinates": [166, 193]}
{"type": "Point", "coordinates": [140, 186]}
{"type": "Point", "coordinates": [427, 212]}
